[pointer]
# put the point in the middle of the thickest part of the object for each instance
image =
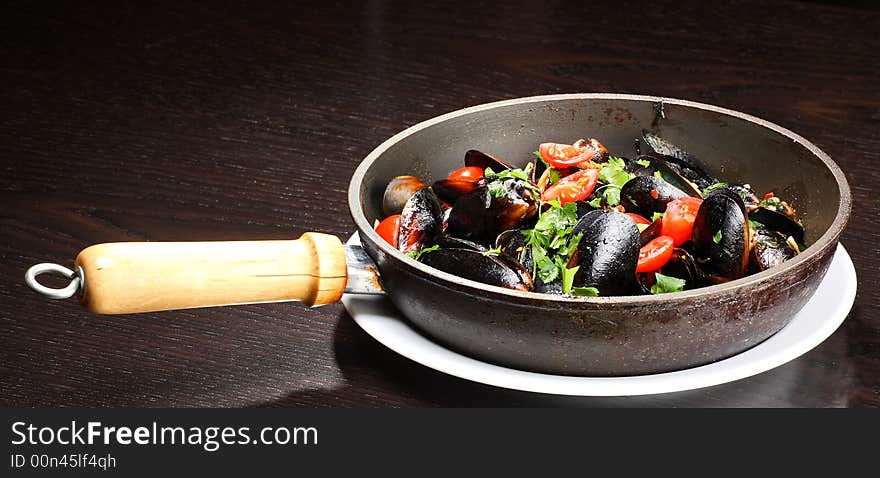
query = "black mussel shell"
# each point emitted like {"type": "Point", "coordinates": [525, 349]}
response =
{"type": "Point", "coordinates": [650, 232]}
{"type": "Point", "coordinates": [420, 221]}
{"type": "Point", "coordinates": [771, 248]}
{"type": "Point", "coordinates": [645, 195]}
{"type": "Point", "coordinates": [449, 190]}
{"type": "Point", "coordinates": [397, 193]}
{"type": "Point", "coordinates": [446, 241]}
{"type": "Point", "coordinates": [512, 243]}
{"type": "Point", "coordinates": [750, 199]}
{"type": "Point", "coordinates": [516, 206]}
{"type": "Point", "coordinates": [669, 172]}
{"type": "Point", "coordinates": [582, 208]}
{"type": "Point", "coordinates": [633, 167]}
{"type": "Point", "coordinates": [476, 266]}
{"type": "Point", "coordinates": [778, 221]}
{"type": "Point", "coordinates": [721, 236]}
{"type": "Point", "coordinates": [607, 253]}
{"type": "Point", "coordinates": [683, 265]}
{"type": "Point", "coordinates": [470, 217]}
{"type": "Point", "coordinates": [687, 164]}
{"type": "Point", "coordinates": [484, 160]}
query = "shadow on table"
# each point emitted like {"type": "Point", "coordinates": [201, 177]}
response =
{"type": "Point", "coordinates": [379, 377]}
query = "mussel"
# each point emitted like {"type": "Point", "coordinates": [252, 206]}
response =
{"type": "Point", "coordinates": [420, 221]}
{"type": "Point", "coordinates": [398, 192]}
{"type": "Point", "coordinates": [683, 265]}
{"type": "Point", "coordinates": [721, 236]}
{"type": "Point", "coordinates": [480, 215]}
{"type": "Point", "coordinates": [607, 253]}
{"type": "Point", "coordinates": [449, 190]}
{"type": "Point", "coordinates": [646, 195]}
{"type": "Point", "coordinates": [479, 267]}
{"type": "Point", "coordinates": [677, 158]}
{"type": "Point", "coordinates": [778, 221]}
{"type": "Point", "coordinates": [771, 248]}
{"type": "Point", "coordinates": [484, 160]}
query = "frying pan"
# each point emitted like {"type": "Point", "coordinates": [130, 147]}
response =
{"type": "Point", "coordinates": [595, 336]}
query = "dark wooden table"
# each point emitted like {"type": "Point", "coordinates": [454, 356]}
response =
{"type": "Point", "coordinates": [238, 120]}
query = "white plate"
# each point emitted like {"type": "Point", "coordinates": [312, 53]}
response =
{"type": "Point", "coordinates": [822, 315]}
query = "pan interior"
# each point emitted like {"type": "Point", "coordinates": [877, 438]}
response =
{"type": "Point", "coordinates": [733, 149]}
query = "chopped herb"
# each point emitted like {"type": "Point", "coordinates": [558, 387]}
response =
{"type": "Point", "coordinates": [597, 203]}
{"type": "Point", "coordinates": [667, 284]}
{"type": "Point", "coordinates": [658, 175]}
{"type": "Point", "coordinates": [712, 188]}
{"type": "Point", "coordinates": [497, 189]}
{"type": "Point", "coordinates": [418, 254]}
{"type": "Point", "coordinates": [496, 183]}
{"type": "Point", "coordinates": [656, 215]}
{"type": "Point", "coordinates": [493, 251]}
{"type": "Point", "coordinates": [755, 224]}
{"type": "Point", "coordinates": [551, 241]}
{"type": "Point", "coordinates": [568, 277]}
{"type": "Point", "coordinates": [717, 237]}
{"type": "Point", "coordinates": [614, 175]}
{"type": "Point", "coordinates": [642, 226]}
{"type": "Point", "coordinates": [585, 291]}
{"type": "Point", "coordinates": [643, 162]}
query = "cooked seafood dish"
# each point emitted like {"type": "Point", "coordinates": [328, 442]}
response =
{"type": "Point", "coordinates": [579, 221]}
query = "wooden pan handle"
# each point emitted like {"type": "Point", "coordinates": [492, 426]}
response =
{"type": "Point", "coordinates": [128, 277]}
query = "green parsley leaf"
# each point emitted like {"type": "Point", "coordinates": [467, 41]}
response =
{"type": "Point", "coordinates": [612, 196]}
{"type": "Point", "coordinates": [585, 291]}
{"type": "Point", "coordinates": [497, 189]}
{"type": "Point", "coordinates": [597, 203]}
{"type": "Point", "coordinates": [656, 215]}
{"type": "Point", "coordinates": [717, 237]}
{"type": "Point", "coordinates": [568, 277]}
{"type": "Point", "coordinates": [643, 162]}
{"type": "Point", "coordinates": [418, 254]}
{"type": "Point", "coordinates": [755, 224]}
{"type": "Point", "coordinates": [667, 284]}
{"type": "Point", "coordinates": [712, 188]}
{"type": "Point", "coordinates": [658, 175]}
{"type": "Point", "coordinates": [493, 251]}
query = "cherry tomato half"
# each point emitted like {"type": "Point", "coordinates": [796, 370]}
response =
{"type": "Point", "coordinates": [678, 221]}
{"type": "Point", "coordinates": [654, 254]}
{"type": "Point", "coordinates": [389, 229]}
{"type": "Point", "coordinates": [574, 187]}
{"type": "Point", "coordinates": [565, 155]}
{"type": "Point", "coordinates": [467, 173]}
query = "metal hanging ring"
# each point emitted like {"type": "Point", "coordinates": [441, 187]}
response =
{"type": "Point", "coordinates": [75, 280]}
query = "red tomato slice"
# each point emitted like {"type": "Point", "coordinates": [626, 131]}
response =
{"type": "Point", "coordinates": [654, 254]}
{"type": "Point", "coordinates": [638, 219]}
{"type": "Point", "coordinates": [561, 155]}
{"type": "Point", "coordinates": [467, 173]}
{"type": "Point", "coordinates": [678, 221]}
{"type": "Point", "coordinates": [574, 187]}
{"type": "Point", "coordinates": [389, 229]}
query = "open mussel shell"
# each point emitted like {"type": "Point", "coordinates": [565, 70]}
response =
{"type": "Point", "coordinates": [685, 163]}
{"type": "Point", "coordinates": [645, 195]}
{"type": "Point", "coordinates": [607, 253]}
{"type": "Point", "coordinates": [479, 267]}
{"type": "Point", "coordinates": [483, 160]}
{"type": "Point", "coordinates": [397, 193]}
{"type": "Point", "coordinates": [446, 241]}
{"type": "Point", "coordinates": [480, 216]}
{"type": "Point", "coordinates": [449, 190]}
{"type": "Point", "coordinates": [683, 265]}
{"type": "Point", "coordinates": [778, 221]}
{"type": "Point", "coordinates": [721, 236]}
{"type": "Point", "coordinates": [750, 199]}
{"type": "Point", "coordinates": [512, 243]}
{"type": "Point", "coordinates": [420, 221]}
{"type": "Point", "coordinates": [771, 248]}
{"type": "Point", "coordinates": [651, 232]}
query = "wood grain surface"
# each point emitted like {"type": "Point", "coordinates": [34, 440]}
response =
{"type": "Point", "coordinates": [169, 121]}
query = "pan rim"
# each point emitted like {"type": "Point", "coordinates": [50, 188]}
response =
{"type": "Point", "coordinates": [827, 239]}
